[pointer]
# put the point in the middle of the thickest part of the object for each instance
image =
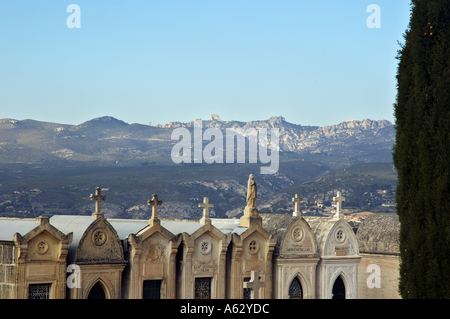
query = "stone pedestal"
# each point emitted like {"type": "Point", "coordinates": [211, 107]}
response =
{"type": "Point", "coordinates": [154, 221]}
{"type": "Point", "coordinates": [251, 216]}
{"type": "Point", "coordinates": [96, 215]}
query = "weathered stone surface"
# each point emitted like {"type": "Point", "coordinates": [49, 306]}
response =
{"type": "Point", "coordinates": [99, 244]}
{"type": "Point", "coordinates": [379, 234]}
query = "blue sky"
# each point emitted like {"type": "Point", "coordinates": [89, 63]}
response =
{"type": "Point", "coordinates": [315, 62]}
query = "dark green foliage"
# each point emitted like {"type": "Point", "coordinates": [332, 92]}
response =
{"type": "Point", "coordinates": [421, 152]}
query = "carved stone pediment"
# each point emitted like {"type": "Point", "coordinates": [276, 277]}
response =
{"type": "Point", "coordinates": [298, 240]}
{"type": "Point", "coordinates": [99, 244]}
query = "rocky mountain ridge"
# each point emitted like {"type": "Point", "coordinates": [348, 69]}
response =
{"type": "Point", "coordinates": [65, 162]}
{"type": "Point", "coordinates": [111, 141]}
{"type": "Point", "coordinates": [346, 143]}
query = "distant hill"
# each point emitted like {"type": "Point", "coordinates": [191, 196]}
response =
{"type": "Point", "coordinates": [52, 168]}
{"type": "Point", "coordinates": [109, 141]}
{"type": "Point", "coordinates": [37, 190]}
{"type": "Point", "coordinates": [365, 187]}
{"type": "Point", "coordinates": [29, 191]}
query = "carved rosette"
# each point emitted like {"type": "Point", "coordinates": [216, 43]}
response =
{"type": "Point", "coordinates": [205, 247]}
{"type": "Point", "coordinates": [99, 237]}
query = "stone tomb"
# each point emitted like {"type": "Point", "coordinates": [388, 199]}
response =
{"type": "Point", "coordinates": [202, 263]}
{"type": "Point", "coordinates": [36, 266]}
{"type": "Point", "coordinates": [250, 251]}
{"type": "Point", "coordinates": [337, 270]}
{"type": "Point", "coordinates": [295, 256]}
{"type": "Point", "coordinates": [100, 257]}
{"type": "Point", "coordinates": [151, 272]}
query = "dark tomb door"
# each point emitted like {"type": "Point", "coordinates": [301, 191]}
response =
{"type": "Point", "coordinates": [247, 291]}
{"type": "Point", "coordinates": [152, 289]}
{"type": "Point", "coordinates": [338, 289]}
{"type": "Point", "coordinates": [202, 288]}
{"type": "Point", "coordinates": [295, 289]}
{"type": "Point", "coordinates": [39, 291]}
{"type": "Point", "coordinates": [97, 292]}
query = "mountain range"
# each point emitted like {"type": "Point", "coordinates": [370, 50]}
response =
{"type": "Point", "coordinates": [53, 168]}
{"type": "Point", "coordinates": [109, 141]}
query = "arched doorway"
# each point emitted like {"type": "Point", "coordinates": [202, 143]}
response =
{"type": "Point", "coordinates": [295, 289]}
{"type": "Point", "coordinates": [97, 292]}
{"type": "Point", "coordinates": [338, 291]}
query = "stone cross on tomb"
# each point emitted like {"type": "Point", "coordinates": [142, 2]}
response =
{"type": "Point", "coordinates": [206, 206]}
{"type": "Point", "coordinates": [154, 202]}
{"type": "Point", "coordinates": [98, 197]}
{"type": "Point", "coordinates": [297, 199]}
{"type": "Point", "coordinates": [254, 284]}
{"type": "Point", "coordinates": [339, 199]}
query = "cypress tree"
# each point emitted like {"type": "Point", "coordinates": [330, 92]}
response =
{"type": "Point", "coordinates": [422, 151]}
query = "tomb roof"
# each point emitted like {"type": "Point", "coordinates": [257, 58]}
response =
{"type": "Point", "coordinates": [379, 234]}
{"type": "Point", "coordinates": [9, 226]}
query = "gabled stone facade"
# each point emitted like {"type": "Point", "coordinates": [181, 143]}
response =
{"type": "Point", "coordinates": [289, 256]}
{"type": "Point", "coordinates": [151, 256]}
{"type": "Point", "coordinates": [35, 261]}
{"type": "Point", "coordinates": [295, 255]}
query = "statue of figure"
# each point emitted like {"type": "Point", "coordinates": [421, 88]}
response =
{"type": "Point", "coordinates": [251, 214]}
{"type": "Point", "coordinates": [251, 192]}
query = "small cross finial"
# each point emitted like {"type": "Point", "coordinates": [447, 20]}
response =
{"type": "Point", "coordinates": [297, 200]}
{"type": "Point", "coordinates": [98, 197]}
{"type": "Point", "coordinates": [254, 284]}
{"type": "Point", "coordinates": [339, 199]}
{"type": "Point", "coordinates": [154, 202]}
{"type": "Point", "coordinates": [206, 206]}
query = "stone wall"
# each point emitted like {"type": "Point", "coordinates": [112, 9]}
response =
{"type": "Point", "coordinates": [7, 270]}
{"type": "Point", "coordinates": [388, 271]}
